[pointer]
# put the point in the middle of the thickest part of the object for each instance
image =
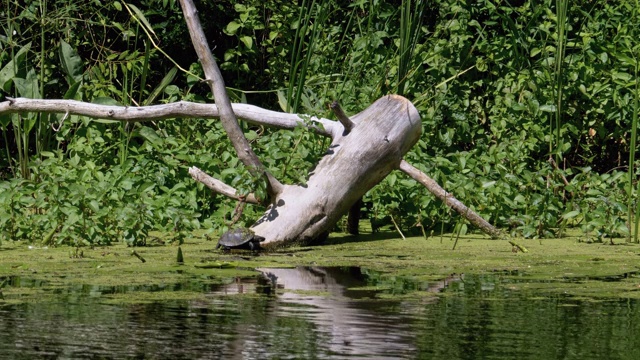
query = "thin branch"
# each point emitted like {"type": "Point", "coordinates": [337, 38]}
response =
{"type": "Point", "coordinates": [182, 109]}
{"type": "Point", "coordinates": [555, 166]}
{"type": "Point", "coordinates": [448, 199]}
{"type": "Point", "coordinates": [220, 187]}
{"type": "Point", "coordinates": [342, 117]}
{"type": "Point", "coordinates": [397, 228]}
{"type": "Point", "coordinates": [227, 116]}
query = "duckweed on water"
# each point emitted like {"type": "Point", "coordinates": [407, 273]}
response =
{"type": "Point", "coordinates": [565, 266]}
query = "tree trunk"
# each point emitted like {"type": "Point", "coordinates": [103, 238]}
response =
{"type": "Point", "coordinates": [353, 220]}
{"type": "Point", "coordinates": [354, 163]}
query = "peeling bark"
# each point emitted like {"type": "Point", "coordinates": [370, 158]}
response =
{"type": "Point", "coordinates": [354, 163]}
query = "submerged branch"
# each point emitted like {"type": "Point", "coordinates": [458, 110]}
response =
{"type": "Point", "coordinates": [448, 199]}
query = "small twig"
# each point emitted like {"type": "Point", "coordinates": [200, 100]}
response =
{"type": "Point", "coordinates": [398, 228]}
{"type": "Point", "coordinates": [455, 243]}
{"type": "Point", "coordinates": [56, 129]}
{"type": "Point", "coordinates": [555, 166]}
{"type": "Point", "coordinates": [135, 253]}
{"type": "Point", "coordinates": [419, 224]}
{"type": "Point", "coordinates": [237, 212]}
{"type": "Point", "coordinates": [518, 247]}
{"type": "Point", "coordinates": [342, 117]}
{"type": "Point", "coordinates": [220, 187]}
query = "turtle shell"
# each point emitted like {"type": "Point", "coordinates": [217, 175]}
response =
{"type": "Point", "coordinates": [240, 238]}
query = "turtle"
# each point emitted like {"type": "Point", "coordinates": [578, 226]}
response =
{"type": "Point", "coordinates": [240, 238]}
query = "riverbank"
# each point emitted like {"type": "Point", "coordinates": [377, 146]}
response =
{"type": "Point", "coordinates": [565, 266]}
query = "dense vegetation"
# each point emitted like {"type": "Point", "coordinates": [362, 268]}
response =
{"type": "Point", "coordinates": [529, 110]}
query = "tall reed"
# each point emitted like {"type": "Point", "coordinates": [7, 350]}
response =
{"type": "Point", "coordinates": [310, 18]}
{"type": "Point", "coordinates": [633, 218]}
{"type": "Point", "coordinates": [410, 22]}
{"type": "Point", "coordinates": [561, 22]}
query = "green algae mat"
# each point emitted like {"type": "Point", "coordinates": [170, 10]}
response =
{"type": "Point", "coordinates": [555, 266]}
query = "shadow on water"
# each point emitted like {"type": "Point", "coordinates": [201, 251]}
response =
{"type": "Point", "coordinates": [322, 312]}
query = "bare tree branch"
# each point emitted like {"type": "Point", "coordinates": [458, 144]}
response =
{"type": "Point", "coordinates": [342, 117]}
{"type": "Point", "coordinates": [227, 117]}
{"type": "Point", "coordinates": [182, 109]}
{"type": "Point", "coordinates": [220, 187]}
{"type": "Point", "coordinates": [448, 199]}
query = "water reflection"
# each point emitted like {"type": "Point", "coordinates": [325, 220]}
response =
{"type": "Point", "coordinates": [351, 321]}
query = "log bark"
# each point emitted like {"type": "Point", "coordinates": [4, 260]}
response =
{"type": "Point", "coordinates": [354, 163]}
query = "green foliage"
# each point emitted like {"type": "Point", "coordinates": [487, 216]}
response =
{"type": "Point", "coordinates": [502, 87]}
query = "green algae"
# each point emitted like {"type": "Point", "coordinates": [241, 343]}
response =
{"type": "Point", "coordinates": [555, 266]}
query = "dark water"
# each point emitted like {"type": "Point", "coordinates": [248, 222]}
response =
{"type": "Point", "coordinates": [319, 313]}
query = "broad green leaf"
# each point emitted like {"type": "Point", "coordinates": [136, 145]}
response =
{"type": "Point", "coordinates": [74, 160]}
{"type": "Point", "coordinates": [27, 88]}
{"type": "Point", "coordinates": [534, 52]}
{"type": "Point", "coordinates": [5, 119]}
{"type": "Point", "coordinates": [251, 135]}
{"type": "Point", "coordinates": [105, 100]}
{"type": "Point", "coordinates": [626, 59]}
{"type": "Point", "coordinates": [518, 107]}
{"type": "Point", "coordinates": [71, 63]}
{"type": "Point", "coordinates": [548, 108]}
{"type": "Point", "coordinates": [150, 135]}
{"type": "Point", "coordinates": [126, 184]}
{"type": "Point", "coordinates": [232, 28]}
{"type": "Point", "coordinates": [8, 72]}
{"type": "Point", "coordinates": [146, 187]}
{"type": "Point", "coordinates": [392, 179]}
{"type": "Point", "coordinates": [282, 100]}
{"type": "Point", "coordinates": [94, 206]}
{"type": "Point", "coordinates": [571, 214]}
{"type": "Point", "coordinates": [604, 57]}
{"type": "Point", "coordinates": [247, 41]}
{"type": "Point", "coordinates": [488, 184]}
{"type": "Point", "coordinates": [618, 75]}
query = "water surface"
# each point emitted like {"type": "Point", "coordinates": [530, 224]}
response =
{"type": "Point", "coordinates": [323, 313]}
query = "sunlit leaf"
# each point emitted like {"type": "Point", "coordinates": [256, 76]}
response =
{"type": "Point", "coordinates": [7, 73]}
